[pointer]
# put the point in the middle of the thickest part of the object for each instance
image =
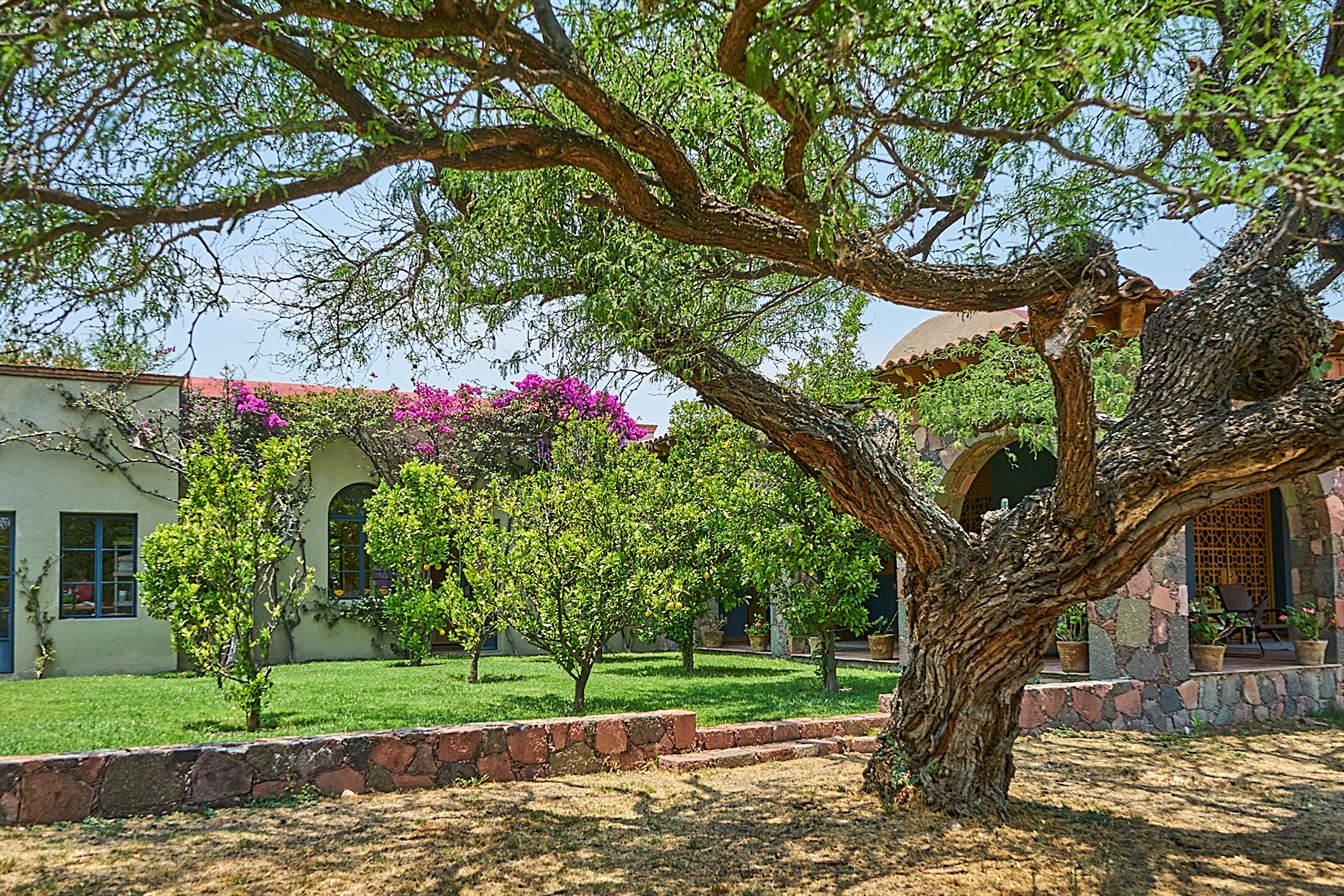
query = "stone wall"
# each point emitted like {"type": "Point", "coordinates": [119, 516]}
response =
{"type": "Point", "coordinates": [109, 783]}
{"type": "Point", "coordinates": [1212, 699]}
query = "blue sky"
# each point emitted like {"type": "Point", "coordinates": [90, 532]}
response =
{"type": "Point", "coordinates": [1168, 252]}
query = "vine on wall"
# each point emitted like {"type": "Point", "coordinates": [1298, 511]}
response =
{"type": "Point", "coordinates": [38, 615]}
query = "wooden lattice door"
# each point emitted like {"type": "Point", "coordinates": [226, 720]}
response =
{"type": "Point", "coordinates": [1234, 546]}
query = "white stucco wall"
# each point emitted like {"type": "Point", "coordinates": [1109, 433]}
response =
{"type": "Point", "coordinates": [39, 486]}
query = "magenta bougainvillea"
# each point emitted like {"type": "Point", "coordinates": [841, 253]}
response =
{"type": "Point", "coordinates": [248, 403]}
{"type": "Point", "coordinates": [565, 398]}
{"type": "Point", "coordinates": [461, 426]}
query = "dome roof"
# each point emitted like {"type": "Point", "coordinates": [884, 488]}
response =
{"type": "Point", "coordinates": [950, 328]}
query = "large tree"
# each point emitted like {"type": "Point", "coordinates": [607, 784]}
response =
{"type": "Point", "coordinates": [698, 184]}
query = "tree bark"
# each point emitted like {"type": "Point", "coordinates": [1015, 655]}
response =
{"type": "Point", "coordinates": [829, 681]}
{"type": "Point", "coordinates": [254, 715]}
{"type": "Point", "coordinates": [472, 677]}
{"type": "Point", "coordinates": [949, 742]}
{"type": "Point", "coordinates": [687, 655]}
{"type": "Point", "coordinates": [581, 685]}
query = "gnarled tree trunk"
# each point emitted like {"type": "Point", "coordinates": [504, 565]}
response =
{"type": "Point", "coordinates": [949, 741]}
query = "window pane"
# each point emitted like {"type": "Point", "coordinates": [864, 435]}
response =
{"type": "Point", "coordinates": [350, 582]}
{"type": "Point", "coordinates": [77, 531]}
{"type": "Point", "coordinates": [119, 531]}
{"type": "Point", "coordinates": [118, 599]}
{"type": "Point", "coordinates": [118, 564]}
{"type": "Point", "coordinates": [77, 566]}
{"type": "Point", "coordinates": [4, 608]}
{"type": "Point", "coordinates": [6, 530]}
{"type": "Point", "coordinates": [4, 559]}
{"type": "Point", "coordinates": [77, 599]}
{"type": "Point", "coordinates": [349, 501]}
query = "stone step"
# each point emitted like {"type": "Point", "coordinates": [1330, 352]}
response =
{"type": "Point", "coordinates": [735, 757]}
{"type": "Point", "coordinates": [752, 734]}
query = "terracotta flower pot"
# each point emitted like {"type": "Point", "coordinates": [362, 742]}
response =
{"type": "Point", "coordinates": [759, 642]}
{"type": "Point", "coordinates": [1207, 657]}
{"type": "Point", "coordinates": [1309, 653]}
{"type": "Point", "coordinates": [711, 639]}
{"type": "Point", "coordinates": [798, 646]}
{"type": "Point", "coordinates": [1073, 656]}
{"type": "Point", "coordinates": [881, 647]}
{"type": "Point", "coordinates": [814, 646]}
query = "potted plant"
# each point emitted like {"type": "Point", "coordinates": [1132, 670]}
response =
{"type": "Point", "coordinates": [798, 645]}
{"type": "Point", "coordinates": [1071, 639]}
{"type": "Point", "coordinates": [758, 633]}
{"type": "Point", "coordinates": [1210, 625]}
{"type": "Point", "coordinates": [1309, 622]}
{"type": "Point", "coordinates": [710, 631]}
{"type": "Point", "coordinates": [881, 639]}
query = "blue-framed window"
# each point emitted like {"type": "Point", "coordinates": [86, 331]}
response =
{"type": "Point", "coordinates": [98, 558]}
{"type": "Point", "coordinates": [350, 575]}
{"type": "Point", "coordinates": [6, 593]}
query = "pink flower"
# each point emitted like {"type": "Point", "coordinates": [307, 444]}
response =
{"type": "Point", "coordinates": [1283, 618]}
{"type": "Point", "coordinates": [1311, 610]}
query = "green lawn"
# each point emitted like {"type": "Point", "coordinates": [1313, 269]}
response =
{"type": "Point", "coordinates": [93, 712]}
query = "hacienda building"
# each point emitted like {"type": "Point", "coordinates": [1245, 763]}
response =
{"type": "Point", "coordinates": [71, 532]}
{"type": "Point", "coordinates": [1275, 548]}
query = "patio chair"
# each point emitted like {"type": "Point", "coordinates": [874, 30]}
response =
{"type": "Point", "coordinates": [1237, 599]}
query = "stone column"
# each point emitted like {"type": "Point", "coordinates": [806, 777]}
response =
{"type": "Point", "coordinates": [1141, 632]}
{"type": "Point", "coordinates": [779, 632]}
{"type": "Point", "coordinates": [903, 640]}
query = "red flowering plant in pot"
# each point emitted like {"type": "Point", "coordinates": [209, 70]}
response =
{"type": "Point", "coordinates": [758, 633]}
{"type": "Point", "coordinates": [1308, 622]}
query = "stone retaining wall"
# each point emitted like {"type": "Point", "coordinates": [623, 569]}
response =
{"type": "Point", "coordinates": [109, 783]}
{"type": "Point", "coordinates": [751, 734]}
{"type": "Point", "coordinates": [1210, 699]}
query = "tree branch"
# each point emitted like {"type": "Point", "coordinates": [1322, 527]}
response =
{"type": "Point", "coordinates": [860, 476]}
{"type": "Point", "coordinates": [1057, 334]}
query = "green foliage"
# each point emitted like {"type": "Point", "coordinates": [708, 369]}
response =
{"type": "Point", "coordinates": [1210, 623]}
{"type": "Point", "coordinates": [214, 575]}
{"type": "Point", "coordinates": [1309, 620]}
{"type": "Point", "coordinates": [580, 563]}
{"type": "Point", "coordinates": [38, 614]}
{"type": "Point", "coordinates": [441, 545]}
{"type": "Point", "coordinates": [1072, 625]}
{"type": "Point", "coordinates": [818, 564]}
{"type": "Point", "coordinates": [688, 500]}
{"type": "Point", "coordinates": [1049, 120]}
{"type": "Point", "coordinates": [1007, 389]}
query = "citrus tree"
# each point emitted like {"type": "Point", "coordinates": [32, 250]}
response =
{"type": "Point", "coordinates": [215, 573]}
{"type": "Point", "coordinates": [435, 537]}
{"type": "Point", "coordinates": [580, 563]}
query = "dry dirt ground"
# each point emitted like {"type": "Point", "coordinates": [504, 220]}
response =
{"type": "Point", "coordinates": [1257, 812]}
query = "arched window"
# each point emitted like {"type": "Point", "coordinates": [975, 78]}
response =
{"type": "Point", "coordinates": [349, 574]}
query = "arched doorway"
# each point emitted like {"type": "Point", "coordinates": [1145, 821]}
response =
{"type": "Point", "coordinates": [1010, 474]}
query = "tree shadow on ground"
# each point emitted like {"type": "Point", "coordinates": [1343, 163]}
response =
{"type": "Point", "coordinates": [1111, 815]}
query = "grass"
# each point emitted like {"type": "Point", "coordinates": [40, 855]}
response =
{"type": "Point", "coordinates": [95, 712]}
{"type": "Point", "coordinates": [1103, 814]}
